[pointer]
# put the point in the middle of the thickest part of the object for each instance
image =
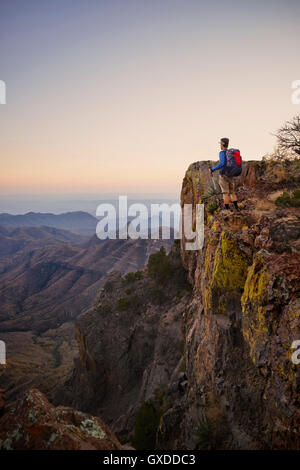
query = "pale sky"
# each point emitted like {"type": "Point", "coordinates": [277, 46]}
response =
{"type": "Point", "coordinates": [122, 95]}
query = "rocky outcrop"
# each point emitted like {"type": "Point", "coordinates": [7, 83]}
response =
{"type": "Point", "coordinates": [211, 367]}
{"type": "Point", "coordinates": [37, 425]}
{"type": "Point", "coordinates": [243, 387]}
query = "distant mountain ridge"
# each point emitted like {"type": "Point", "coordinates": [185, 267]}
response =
{"type": "Point", "coordinates": [79, 222]}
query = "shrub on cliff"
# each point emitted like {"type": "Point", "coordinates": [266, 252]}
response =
{"type": "Point", "coordinates": [163, 268]}
{"type": "Point", "coordinates": [159, 267]}
{"type": "Point", "coordinates": [211, 435]}
{"type": "Point", "coordinates": [210, 198]}
{"type": "Point", "coordinates": [288, 137]}
{"type": "Point", "coordinates": [133, 276]}
{"type": "Point", "coordinates": [145, 428]}
{"type": "Point", "coordinates": [283, 164]}
{"type": "Point", "coordinates": [287, 151]}
{"type": "Point", "coordinates": [289, 200]}
{"type": "Point", "coordinates": [132, 302]}
{"type": "Point", "coordinates": [212, 206]}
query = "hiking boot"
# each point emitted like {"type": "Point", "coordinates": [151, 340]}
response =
{"type": "Point", "coordinates": [236, 207]}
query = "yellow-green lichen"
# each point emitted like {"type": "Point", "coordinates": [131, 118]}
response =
{"type": "Point", "coordinates": [285, 367]}
{"type": "Point", "coordinates": [254, 300]}
{"type": "Point", "coordinates": [214, 225]}
{"type": "Point", "coordinates": [256, 284]}
{"type": "Point", "coordinates": [228, 274]}
{"type": "Point", "coordinates": [231, 264]}
{"type": "Point", "coordinates": [92, 428]}
{"type": "Point", "coordinates": [209, 252]}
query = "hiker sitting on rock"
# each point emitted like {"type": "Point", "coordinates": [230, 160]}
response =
{"type": "Point", "coordinates": [230, 166]}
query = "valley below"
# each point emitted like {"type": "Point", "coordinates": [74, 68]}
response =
{"type": "Point", "coordinates": [48, 276]}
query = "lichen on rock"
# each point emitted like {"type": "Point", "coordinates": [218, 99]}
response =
{"type": "Point", "coordinates": [92, 428]}
{"type": "Point", "coordinates": [53, 428]}
{"type": "Point", "coordinates": [228, 275]}
{"type": "Point", "coordinates": [254, 305]}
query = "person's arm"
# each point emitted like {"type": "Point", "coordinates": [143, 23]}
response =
{"type": "Point", "coordinates": [222, 162]}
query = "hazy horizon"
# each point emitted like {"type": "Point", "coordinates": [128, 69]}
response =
{"type": "Point", "coordinates": [121, 96]}
{"type": "Point", "coordinates": [62, 203]}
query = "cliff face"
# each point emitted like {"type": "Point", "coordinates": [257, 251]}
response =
{"type": "Point", "coordinates": [246, 313]}
{"type": "Point", "coordinates": [131, 343]}
{"type": "Point", "coordinates": [209, 367]}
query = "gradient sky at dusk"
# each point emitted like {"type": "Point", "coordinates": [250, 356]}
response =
{"type": "Point", "coordinates": [122, 95]}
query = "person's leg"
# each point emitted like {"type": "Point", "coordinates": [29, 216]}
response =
{"type": "Point", "coordinates": [226, 200]}
{"type": "Point", "coordinates": [224, 185]}
{"type": "Point", "coordinates": [233, 196]}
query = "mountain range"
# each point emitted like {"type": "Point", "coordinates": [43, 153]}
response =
{"type": "Point", "coordinates": [49, 275]}
{"type": "Point", "coordinates": [78, 222]}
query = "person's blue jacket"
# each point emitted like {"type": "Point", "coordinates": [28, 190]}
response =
{"type": "Point", "coordinates": [222, 164]}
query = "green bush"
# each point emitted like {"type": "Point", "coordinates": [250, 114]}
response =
{"type": "Point", "coordinates": [133, 276]}
{"type": "Point", "coordinates": [163, 268]}
{"type": "Point", "coordinates": [296, 194]}
{"type": "Point", "coordinates": [283, 200]}
{"type": "Point", "coordinates": [159, 266]}
{"type": "Point", "coordinates": [145, 428]}
{"type": "Point", "coordinates": [212, 434]}
{"type": "Point", "coordinates": [123, 303]}
{"type": "Point", "coordinates": [212, 206]}
{"type": "Point", "coordinates": [296, 164]}
{"type": "Point", "coordinates": [288, 200]}
{"type": "Point", "coordinates": [132, 302]}
{"type": "Point", "coordinates": [209, 193]}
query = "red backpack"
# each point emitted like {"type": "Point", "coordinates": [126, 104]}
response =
{"type": "Point", "coordinates": [233, 162]}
